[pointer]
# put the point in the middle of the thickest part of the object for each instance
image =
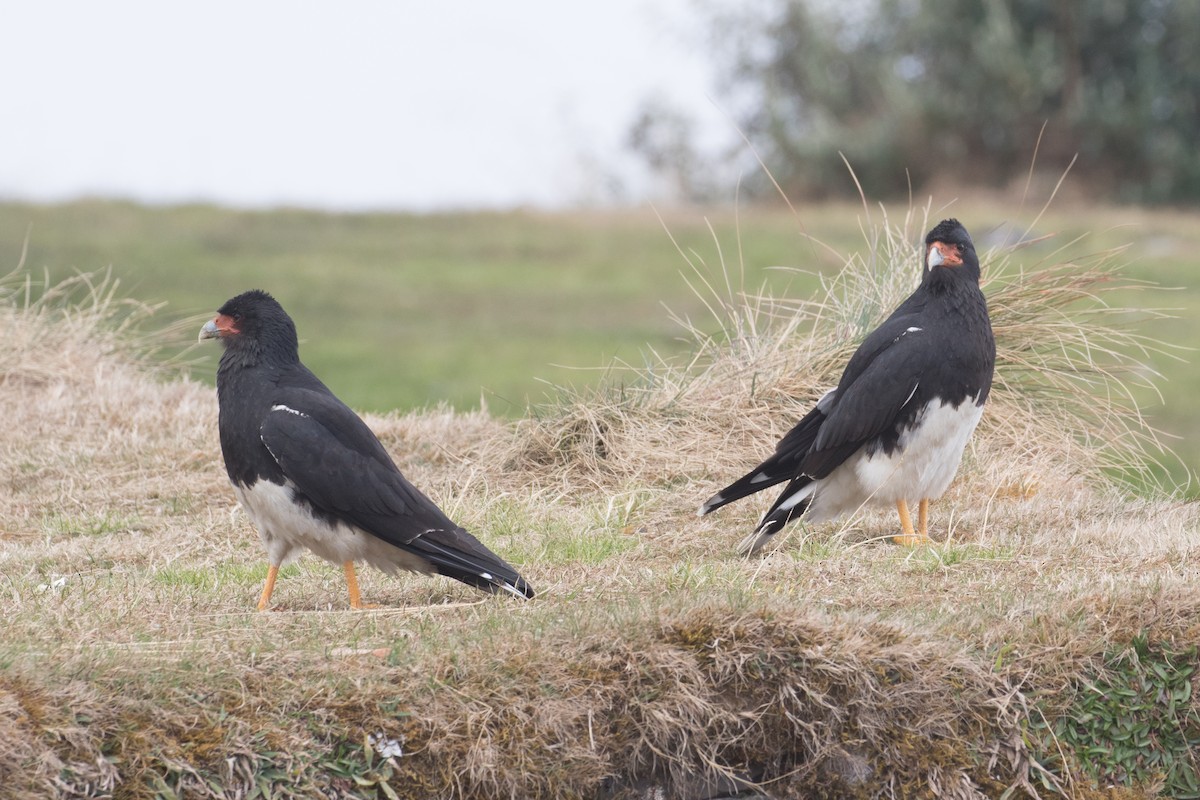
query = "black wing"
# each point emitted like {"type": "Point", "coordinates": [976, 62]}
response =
{"type": "Point", "coordinates": [784, 463]}
{"type": "Point", "coordinates": [879, 383]}
{"type": "Point", "coordinates": [332, 458]}
{"type": "Point", "coordinates": [880, 378]}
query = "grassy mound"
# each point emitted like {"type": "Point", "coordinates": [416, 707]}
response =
{"type": "Point", "coordinates": [1063, 400]}
{"type": "Point", "coordinates": [655, 662]}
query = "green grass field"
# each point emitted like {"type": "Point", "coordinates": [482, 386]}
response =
{"type": "Point", "coordinates": [401, 311]}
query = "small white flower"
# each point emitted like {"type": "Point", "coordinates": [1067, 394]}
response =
{"type": "Point", "coordinates": [55, 584]}
{"type": "Point", "coordinates": [386, 748]}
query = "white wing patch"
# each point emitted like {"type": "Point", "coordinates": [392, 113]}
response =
{"type": "Point", "coordinates": [793, 501]}
{"type": "Point", "coordinates": [905, 332]}
{"type": "Point", "coordinates": [269, 450]}
{"type": "Point", "coordinates": [288, 409]}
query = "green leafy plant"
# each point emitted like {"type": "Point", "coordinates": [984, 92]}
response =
{"type": "Point", "coordinates": [1134, 723]}
{"type": "Point", "coordinates": [362, 769]}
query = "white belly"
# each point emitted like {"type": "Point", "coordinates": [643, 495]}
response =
{"type": "Point", "coordinates": [286, 529]}
{"type": "Point", "coordinates": [922, 465]}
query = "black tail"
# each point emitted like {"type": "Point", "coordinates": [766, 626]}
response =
{"type": "Point", "coordinates": [459, 555]}
{"type": "Point", "coordinates": [764, 476]}
{"type": "Point", "coordinates": [783, 465]}
{"type": "Point", "coordinates": [791, 504]}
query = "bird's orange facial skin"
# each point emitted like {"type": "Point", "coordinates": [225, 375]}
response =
{"type": "Point", "coordinates": [226, 325]}
{"type": "Point", "coordinates": [949, 253]}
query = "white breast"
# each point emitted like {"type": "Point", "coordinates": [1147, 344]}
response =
{"type": "Point", "coordinates": [286, 529]}
{"type": "Point", "coordinates": [922, 465]}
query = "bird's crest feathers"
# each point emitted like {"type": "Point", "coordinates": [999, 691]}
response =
{"type": "Point", "coordinates": [949, 231]}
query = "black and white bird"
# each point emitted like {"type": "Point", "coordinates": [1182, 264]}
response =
{"type": "Point", "coordinates": [894, 429]}
{"type": "Point", "coordinates": [310, 473]}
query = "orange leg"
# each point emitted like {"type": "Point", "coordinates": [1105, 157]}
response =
{"type": "Point", "coordinates": [923, 519]}
{"type": "Point", "coordinates": [910, 537]}
{"type": "Point", "coordinates": [352, 585]}
{"type": "Point", "coordinates": [265, 599]}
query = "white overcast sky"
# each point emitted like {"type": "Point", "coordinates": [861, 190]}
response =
{"type": "Point", "coordinates": [368, 104]}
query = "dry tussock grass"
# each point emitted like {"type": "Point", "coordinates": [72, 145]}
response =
{"type": "Point", "coordinates": [654, 658]}
{"type": "Point", "coordinates": [1067, 364]}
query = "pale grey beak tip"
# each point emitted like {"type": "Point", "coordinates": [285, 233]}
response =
{"type": "Point", "coordinates": [209, 331]}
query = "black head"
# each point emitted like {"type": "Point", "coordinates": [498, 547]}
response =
{"type": "Point", "coordinates": [254, 326]}
{"type": "Point", "coordinates": [950, 253]}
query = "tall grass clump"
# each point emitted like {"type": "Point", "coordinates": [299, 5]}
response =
{"type": "Point", "coordinates": [1064, 406]}
{"type": "Point", "coordinates": [95, 423]}
{"type": "Point", "coordinates": [57, 328]}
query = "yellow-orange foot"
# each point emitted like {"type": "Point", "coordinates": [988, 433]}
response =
{"type": "Point", "coordinates": [264, 601]}
{"type": "Point", "coordinates": [910, 538]}
{"type": "Point", "coordinates": [352, 585]}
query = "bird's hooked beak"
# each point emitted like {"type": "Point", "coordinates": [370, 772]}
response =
{"type": "Point", "coordinates": [217, 327]}
{"type": "Point", "coordinates": [943, 255]}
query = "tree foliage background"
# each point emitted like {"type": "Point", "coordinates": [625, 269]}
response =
{"type": "Point", "coordinates": [919, 91]}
